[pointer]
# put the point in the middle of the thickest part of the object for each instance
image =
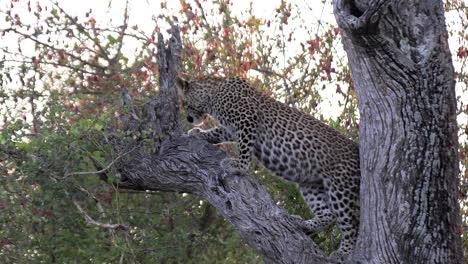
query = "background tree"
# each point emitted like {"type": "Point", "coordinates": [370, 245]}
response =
{"type": "Point", "coordinates": [62, 115]}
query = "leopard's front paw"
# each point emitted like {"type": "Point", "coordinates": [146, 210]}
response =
{"type": "Point", "coordinates": [300, 222]}
{"type": "Point", "coordinates": [233, 166]}
{"type": "Point", "coordinates": [339, 257]}
{"type": "Point", "coordinates": [196, 132]}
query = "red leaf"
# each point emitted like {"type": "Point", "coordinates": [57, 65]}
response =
{"type": "Point", "coordinates": [6, 241]}
{"type": "Point", "coordinates": [45, 213]}
{"type": "Point", "coordinates": [462, 52]}
{"type": "Point", "coordinates": [148, 87]}
{"type": "Point", "coordinates": [35, 60]}
{"type": "Point", "coordinates": [338, 89]}
{"type": "Point", "coordinates": [92, 21]}
{"type": "Point", "coordinates": [107, 198]}
{"type": "Point", "coordinates": [169, 221]}
{"type": "Point", "coordinates": [17, 20]}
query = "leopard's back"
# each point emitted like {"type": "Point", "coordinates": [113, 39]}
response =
{"type": "Point", "coordinates": [300, 148]}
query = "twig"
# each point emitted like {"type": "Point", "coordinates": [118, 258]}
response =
{"type": "Point", "coordinates": [80, 27]}
{"type": "Point", "coordinates": [99, 171]}
{"type": "Point", "coordinates": [122, 34]}
{"type": "Point", "coordinates": [269, 72]}
{"type": "Point", "coordinates": [91, 221]}
{"type": "Point", "coordinates": [57, 49]}
{"type": "Point", "coordinates": [61, 65]}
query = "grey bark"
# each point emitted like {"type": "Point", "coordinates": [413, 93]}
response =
{"type": "Point", "coordinates": [186, 164]}
{"type": "Point", "coordinates": [402, 69]}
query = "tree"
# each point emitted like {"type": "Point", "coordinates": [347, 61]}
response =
{"type": "Point", "coordinates": [50, 162]}
{"type": "Point", "coordinates": [404, 75]}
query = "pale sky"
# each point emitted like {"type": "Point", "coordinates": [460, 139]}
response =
{"type": "Point", "coordinates": [141, 13]}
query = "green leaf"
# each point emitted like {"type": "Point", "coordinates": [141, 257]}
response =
{"type": "Point", "coordinates": [84, 123]}
{"type": "Point", "coordinates": [26, 146]}
{"type": "Point", "coordinates": [111, 39]}
{"type": "Point", "coordinates": [97, 154]}
{"type": "Point", "coordinates": [99, 126]}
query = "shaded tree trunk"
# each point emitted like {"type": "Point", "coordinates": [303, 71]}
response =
{"type": "Point", "coordinates": [403, 73]}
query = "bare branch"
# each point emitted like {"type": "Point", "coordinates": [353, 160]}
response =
{"type": "Point", "coordinates": [74, 22]}
{"type": "Point", "coordinates": [97, 66]}
{"type": "Point", "coordinates": [122, 34]}
{"type": "Point", "coordinates": [90, 221]}
{"type": "Point", "coordinates": [102, 170]}
{"type": "Point", "coordinates": [267, 71]}
{"type": "Point", "coordinates": [76, 69]}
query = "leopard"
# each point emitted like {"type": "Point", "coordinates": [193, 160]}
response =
{"type": "Point", "coordinates": [290, 143]}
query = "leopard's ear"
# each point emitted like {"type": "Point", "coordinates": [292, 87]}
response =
{"type": "Point", "coordinates": [181, 85]}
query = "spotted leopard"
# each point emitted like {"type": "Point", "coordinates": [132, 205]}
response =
{"type": "Point", "coordinates": [292, 144]}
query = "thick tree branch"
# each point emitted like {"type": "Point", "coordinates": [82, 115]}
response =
{"type": "Point", "coordinates": [187, 164]}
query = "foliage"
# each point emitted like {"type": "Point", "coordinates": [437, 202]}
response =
{"type": "Point", "coordinates": [63, 75]}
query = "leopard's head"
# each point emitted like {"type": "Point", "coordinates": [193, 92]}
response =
{"type": "Point", "coordinates": [195, 99]}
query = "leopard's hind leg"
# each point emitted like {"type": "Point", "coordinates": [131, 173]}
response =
{"type": "Point", "coordinates": [316, 197]}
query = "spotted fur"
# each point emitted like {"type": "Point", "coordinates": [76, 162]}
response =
{"type": "Point", "coordinates": [292, 144]}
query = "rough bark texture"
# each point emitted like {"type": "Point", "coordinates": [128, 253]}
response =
{"type": "Point", "coordinates": [186, 164]}
{"type": "Point", "coordinates": [403, 73]}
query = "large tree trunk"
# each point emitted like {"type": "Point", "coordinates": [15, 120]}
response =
{"type": "Point", "coordinates": [403, 73]}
